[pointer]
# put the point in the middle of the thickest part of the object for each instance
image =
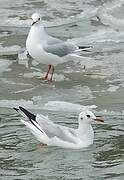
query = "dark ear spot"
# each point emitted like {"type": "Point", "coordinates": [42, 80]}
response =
{"type": "Point", "coordinates": [81, 118]}
{"type": "Point", "coordinates": [88, 116]}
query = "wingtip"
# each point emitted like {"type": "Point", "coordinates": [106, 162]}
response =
{"type": "Point", "coordinates": [21, 108]}
{"type": "Point", "coordinates": [85, 47]}
{"type": "Point", "coordinates": [16, 109]}
{"type": "Point", "coordinates": [27, 113]}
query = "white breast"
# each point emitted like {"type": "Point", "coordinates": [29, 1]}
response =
{"type": "Point", "coordinates": [34, 47]}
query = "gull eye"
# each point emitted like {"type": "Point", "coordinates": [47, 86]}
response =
{"type": "Point", "coordinates": [88, 116]}
{"type": "Point", "coordinates": [38, 19]}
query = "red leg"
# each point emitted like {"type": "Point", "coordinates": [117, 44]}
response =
{"type": "Point", "coordinates": [46, 76]}
{"type": "Point", "coordinates": [42, 145]}
{"type": "Point", "coordinates": [52, 72]}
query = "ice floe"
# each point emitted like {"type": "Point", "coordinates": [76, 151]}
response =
{"type": "Point", "coordinates": [4, 65]}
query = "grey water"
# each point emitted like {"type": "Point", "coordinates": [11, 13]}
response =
{"type": "Point", "coordinates": [101, 83]}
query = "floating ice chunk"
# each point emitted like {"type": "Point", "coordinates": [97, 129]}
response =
{"type": "Point", "coordinates": [90, 63]}
{"type": "Point", "coordinates": [11, 82]}
{"type": "Point", "coordinates": [112, 88]}
{"type": "Point", "coordinates": [23, 54]}
{"type": "Point", "coordinates": [16, 103]}
{"type": "Point", "coordinates": [108, 14]}
{"type": "Point", "coordinates": [100, 40]}
{"type": "Point", "coordinates": [4, 64]}
{"type": "Point", "coordinates": [15, 22]}
{"type": "Point", "coordinates": [59, 77]}
{"type": "Point", "coordinates": [61, 106]}
{"type": "Point", "coordinates": [18, 18]}
{"type": "Point", "coordinates": [24, 90]}
{"type": "Point", "coordinates": [66, 106]}
{"type": "Point", "coordinates": [87, 61]}
{"type": "Point", "coordinates": [9, 50]}
{"type": "Point", "coordinates": [32, 74]}
{"type": "Point", "coordinates": [34, 62]}
{"type": "Point", "coordinates": [37, 98]}
{"type": "Point", "coordinates": [23, 57]}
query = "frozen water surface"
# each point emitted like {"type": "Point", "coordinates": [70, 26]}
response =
{"type": "Point", "coordinates": [94, 81]}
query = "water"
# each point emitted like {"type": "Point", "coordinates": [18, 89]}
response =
{"type": "Point", "coordinates": [99, 23]}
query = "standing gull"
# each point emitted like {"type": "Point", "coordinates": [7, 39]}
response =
{"type": "Point", "coordinates": [52, 134]}
{"type": "Point", "coordinates": [47, 49]}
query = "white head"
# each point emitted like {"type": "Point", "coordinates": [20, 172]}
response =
{"type": "Point", "coordinates": [35, 17]}
{"type": "Point", "coordinates": [88, 117]}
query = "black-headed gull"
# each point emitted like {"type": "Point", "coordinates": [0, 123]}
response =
{"type": "Point", "coordinates": [52, 134]}
{"type": "Point", "coordinates": [46, 49]}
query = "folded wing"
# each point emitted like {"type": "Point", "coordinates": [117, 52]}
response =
{"type": "Point", "coordinates": [46, 131]}
{"type": "Point", "coordinates": [60, 49]}
{"type": "Point", "coordinates": [55, 130]}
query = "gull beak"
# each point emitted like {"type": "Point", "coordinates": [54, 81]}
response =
{"type": "Point", "coordinates": [99, 119]}
{"type": "Point", "coordinates": [33, 23]}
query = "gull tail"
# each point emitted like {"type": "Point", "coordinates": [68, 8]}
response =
{"type": "Point", "coordinates": [85, 48]}
{"type": "Point", "coordinates": [26, 113]}
{"type": "Point", "coordinates": [32, 124]}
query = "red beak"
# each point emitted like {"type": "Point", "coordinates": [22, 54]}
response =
{"type": "Point", "coordinates": [99, 119]}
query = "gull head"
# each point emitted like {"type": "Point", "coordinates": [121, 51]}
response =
{"type": "Point", "coordinates": [89, 117]}
{"type": "Point", "coordinates": [35, 17]}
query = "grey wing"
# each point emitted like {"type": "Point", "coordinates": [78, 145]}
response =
{"type": "Point", "coordinates": [60, 49]}
{"type": "Point", "coordinates": [51, 40]}
{"type": "Point", "coordinates": [52, 129]}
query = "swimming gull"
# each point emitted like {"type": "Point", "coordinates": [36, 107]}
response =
{"type": "Point", "coordinates": [52, 134]}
